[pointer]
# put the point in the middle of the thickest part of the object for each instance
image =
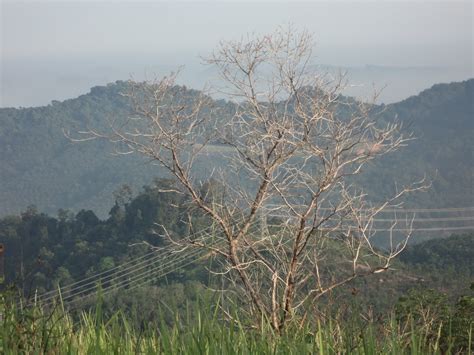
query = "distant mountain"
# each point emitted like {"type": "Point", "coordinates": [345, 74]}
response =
{"type": "Point", "coordinates": [40, 166]}
{"type": "Point", "coordinates": [442, 121]}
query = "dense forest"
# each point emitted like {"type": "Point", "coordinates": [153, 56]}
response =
{"type": "Point", "coordinates": [44, 252]}
{"type": "Point", "coordinates": [41, 166]}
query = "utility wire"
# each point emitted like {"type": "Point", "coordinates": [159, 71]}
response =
{"type": "Point", "coordinates": [131, 270]}
{"type": "Point", "coordinates": [399, 210]}
{"type": "Point", "coordinates": [120, 268]}
{"type": "Point", "coordinates": [120, 272]}
{"type": "Point", "coordinates": [159, 271]}
{"type": "Point", "coordinates": [145, 263]}
{"type": "Point", "coordinates": [441, 219]}
{"type": "Point", "coordinates": [421, 220]}
{"type": "Point", "coordinates": [145, 277]}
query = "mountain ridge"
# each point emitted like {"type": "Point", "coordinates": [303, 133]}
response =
{"type": "Point", "coordinates": [40, 166]}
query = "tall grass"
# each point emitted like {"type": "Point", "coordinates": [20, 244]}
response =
{"type": "Point", "coordinates": [200, 331]}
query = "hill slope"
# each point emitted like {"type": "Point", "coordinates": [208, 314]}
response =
{"type": "Point", "coordinates": [40, 166]}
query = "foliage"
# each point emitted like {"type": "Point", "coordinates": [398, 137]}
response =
{"type": "Point", "coordinates": [52, 253]}
{"type": "Point", "coordinates": [450, 325]}
{"type": "Point", "coordinates": [43, 252]}
{"type": "Point", "coordinates": [42, 167]}
{"type": "Point", "coordinates": [452, 253]}
{"type": "Point", "coordinates": [463, 320]}
{"type": "Point", "coordinates": [428, 308]}
{"type": "Point", "coordinates": [210, 332]}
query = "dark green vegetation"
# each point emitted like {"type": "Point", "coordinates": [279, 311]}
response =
{"type": "Point", "coordinates": [454, 254]}
{"type": "Point", "coordinates": [43, 251]}
{"type": "Point", "coordinates": [41, 166]}
{"type": "Point", "coordinates": [421, 307]}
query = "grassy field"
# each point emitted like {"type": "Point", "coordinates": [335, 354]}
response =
{"type": "Point", "coordinates": [35, 331]}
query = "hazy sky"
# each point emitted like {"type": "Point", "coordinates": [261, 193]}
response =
{"type": "Point", "coordinates": [92, 42]}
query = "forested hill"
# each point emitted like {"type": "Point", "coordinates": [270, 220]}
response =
{"type": "Point", "coordinates": [40, 166]}
{"type": "Point", "coordinates": [442, 121]}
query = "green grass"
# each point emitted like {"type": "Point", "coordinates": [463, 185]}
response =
{"type": "Point", "coordinates": [200, 331]}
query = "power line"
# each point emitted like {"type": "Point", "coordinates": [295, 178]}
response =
{"type": "Point", "coordinates": [145, 277]}
{"type": "Point", "coordinates": [172, 267]}
{"type": "Point", "coordinates": [175, 265]}
{"type": "Point", "coordinates": [396, 210]}
{"type": "Point", "coordinates": [110, 278]}
{"type": "Point", "coordinates": [438, 229]}
{"type": "Point", "coordinates": [130, 271]}
{"type": "Point", "coordinates": [93, 284]}
{"type": "Point", "coordinates": [440, 219]}
{"type": "Point", "coordinates": [411, 210]}
{"type": "Point", "coordinates": [145, 264]}
{"type": "Point", "coordinates": [119, 268]}
{"type": "Point", "coordinates": [168, 267]}
{"type": "Point", "coordinates": [150, 262]}
{"type": "Point", "coordinates": [93, 278]}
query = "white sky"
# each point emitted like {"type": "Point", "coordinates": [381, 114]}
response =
{"type": "Point", "coordinates": [386, 32]}
{"type": "Point", "coordinates": [347, 33]}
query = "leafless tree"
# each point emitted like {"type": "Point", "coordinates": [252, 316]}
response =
{"type": "Point", "coordinates": [292, 145]}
